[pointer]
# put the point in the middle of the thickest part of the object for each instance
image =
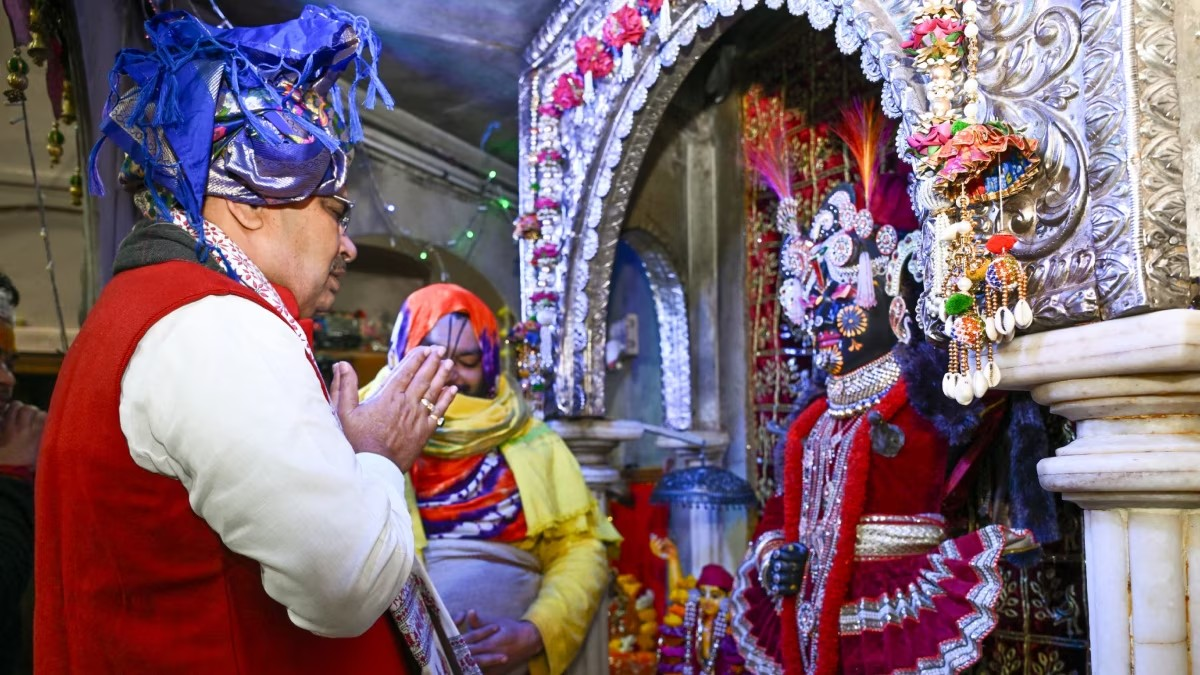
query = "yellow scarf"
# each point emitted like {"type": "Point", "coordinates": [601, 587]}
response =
{"type": "Point", "coordinates": [554, 496]}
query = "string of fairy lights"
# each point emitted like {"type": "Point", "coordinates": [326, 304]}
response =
{"type": "Point", "coordinates": [488, 201]}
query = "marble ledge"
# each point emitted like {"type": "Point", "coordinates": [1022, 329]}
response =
{"type": "Point", "coordinates": [596, 429]}
{"type": "Point", "coordinates": [1159, 343]}
{"type": "Point", "coordinates": [690, 454]}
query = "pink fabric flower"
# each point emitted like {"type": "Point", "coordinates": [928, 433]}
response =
{"type": "Point", "coordinates": [623, 27]}
{"type": "Point", "coordinates": [543, 203]}
{"type": "Point", "coordinates": [547, 251]}
{"type": "Point", "coordinates": [940, 28]}
{"type": "Point", "coordinates": [544, 298]}
{"type": "Point", "coordinates": [549, 110]}
{"type": "Point", "coordinates": [549, 155]}
{"type": "Point", "coordinates": [568, 91]}
{"type": "Point", "coordinates": [591, 56]}
{"type": "Point", "coordinates": [975, 148]}
{"type": "Point", "coordinates": [936, 137]}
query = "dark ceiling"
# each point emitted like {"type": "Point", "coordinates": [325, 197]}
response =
{"type": "Point", "coordinates": [452, 63]}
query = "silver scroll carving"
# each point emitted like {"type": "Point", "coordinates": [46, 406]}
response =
{"type": "Point", "coordinates": [670, 307]}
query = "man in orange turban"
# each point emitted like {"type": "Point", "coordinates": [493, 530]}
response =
{"type": "Point", "coordinates": [500, 502]}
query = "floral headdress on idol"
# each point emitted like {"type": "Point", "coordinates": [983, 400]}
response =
{"type": "Point", "coordinates": [254, 115]}
{"type": "Point", "coordinates": [855, 238]}
{"type": "Point", "coordinates": [767, 149]}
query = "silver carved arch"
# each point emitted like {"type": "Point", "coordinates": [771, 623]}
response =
{"type": "Point", "coordinates": [670, 308]}
{"type": "Point", "coordinates": [1062, 69]}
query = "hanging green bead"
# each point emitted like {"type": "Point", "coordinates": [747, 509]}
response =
{"type": "Point", "coordinates": [54, 144]}
{"type": "Point", "coordinates": [17, 80]}
{"type": "Point", "coordinates": [76, 188]}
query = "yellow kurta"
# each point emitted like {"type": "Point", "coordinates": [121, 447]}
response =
{"type": "Point", "coordinates": [565, 530]}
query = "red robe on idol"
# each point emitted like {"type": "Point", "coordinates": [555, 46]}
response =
{"type": "Point", "coordinates": [881, 594]}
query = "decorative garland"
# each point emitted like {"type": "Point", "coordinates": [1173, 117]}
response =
{"type": "Point", "coordinates": [969, 164]}
{"type": "Point", "coordinates": [595, 58]}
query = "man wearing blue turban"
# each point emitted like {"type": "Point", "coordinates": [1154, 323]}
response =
{"type": "Point", "coordinates": [204, 504]}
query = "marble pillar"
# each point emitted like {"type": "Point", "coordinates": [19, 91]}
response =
{"type": "Point", "coordinates": [1132, 386]}
{"type": "Point", "coordinates": [593, 441]}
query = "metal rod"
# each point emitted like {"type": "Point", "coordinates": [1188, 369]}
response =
{"type": "Point", "coordinates": [685, 437]}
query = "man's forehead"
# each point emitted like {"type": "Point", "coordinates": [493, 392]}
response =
{"type": "Point", "coordinates": [453, 327]}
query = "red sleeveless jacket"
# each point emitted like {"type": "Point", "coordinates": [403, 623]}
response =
{"type": "Point", "coordinates": [127, 578]}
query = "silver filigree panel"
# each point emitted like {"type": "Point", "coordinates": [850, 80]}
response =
{"type": "Point", "coordinates": [1160, 154]}
{"type": "Point", "coordinates": [1031, 68]}
{"type": "Point", "coordinates": [1113, 209]}
{"type": "Point", "coordinates": [670, 307]}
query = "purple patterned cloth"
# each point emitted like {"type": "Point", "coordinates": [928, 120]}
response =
{"type": "Point", "coordinates": [671, 654]}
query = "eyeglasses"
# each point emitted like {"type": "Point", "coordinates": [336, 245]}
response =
{"type": "Point", "coordinates": [344, 220]}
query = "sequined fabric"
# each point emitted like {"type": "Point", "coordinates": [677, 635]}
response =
{"type": "Point", "coordinates": [254, 115]}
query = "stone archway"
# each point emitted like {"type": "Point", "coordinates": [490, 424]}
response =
{"type": "Point", "coordinates": [610, 149]}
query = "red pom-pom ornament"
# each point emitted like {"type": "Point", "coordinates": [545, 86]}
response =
{"type": "Point", "coordinates": [999, 244]}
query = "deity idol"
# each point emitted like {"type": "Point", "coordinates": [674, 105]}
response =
{"type": "Point", "coordinates": [853, 571]}
{"type": "Point", "coordinates": [696, 639]}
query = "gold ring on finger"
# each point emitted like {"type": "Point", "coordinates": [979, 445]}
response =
{"type": "Point", "coordinates": [437, 420]}
{"type": "Point", "coordinates": [428, 406]}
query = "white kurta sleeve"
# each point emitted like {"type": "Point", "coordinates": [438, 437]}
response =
{"type": "Point", "coordinates": [220, 395]}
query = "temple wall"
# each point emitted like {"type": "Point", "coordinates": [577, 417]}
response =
{"type": "Point", "coordinates": [22, 255]}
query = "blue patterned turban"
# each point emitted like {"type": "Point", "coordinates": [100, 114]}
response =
{"type": "Point", "coordinates": [254, 115]}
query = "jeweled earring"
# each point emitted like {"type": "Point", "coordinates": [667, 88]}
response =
{"type": "Point", "coordinates": [900, 321]}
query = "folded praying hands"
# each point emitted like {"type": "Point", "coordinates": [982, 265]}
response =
{"type": "Point", "coordinates": [398, 419]}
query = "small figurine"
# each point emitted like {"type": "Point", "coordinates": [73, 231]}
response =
{"type": "Point", "coordinates": [695, 634]}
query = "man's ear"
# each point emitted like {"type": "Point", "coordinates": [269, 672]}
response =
{"type": "Point", "coordinates": [247, 216]}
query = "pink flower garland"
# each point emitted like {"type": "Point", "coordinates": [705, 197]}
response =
{"type": "Point", "coordinates": [544, 298]}
{"type": "Point", "coordinates": [546, 252]}
{"type": "Point", "coordinates": [623, 27]}
{"type": "Point", "coordinates": [592, 57]}
{"type": "Point", "coordinates": [568, 92]}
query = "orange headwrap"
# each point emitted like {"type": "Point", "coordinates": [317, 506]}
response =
{"type": "Point", "coordinates": [423, 309]}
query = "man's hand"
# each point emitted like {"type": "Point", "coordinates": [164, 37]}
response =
{"type": "Point", "coordinates": [20, 435]}
{"type": "Point", "coordinates": [499, 644]}
{"type": "Point", "coordinates": [398, 419]}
